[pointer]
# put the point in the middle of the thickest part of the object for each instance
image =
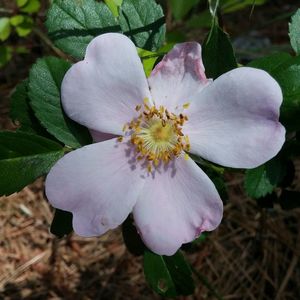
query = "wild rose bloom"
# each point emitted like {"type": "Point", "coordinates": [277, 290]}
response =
{"type": "Point", "coordinates": [144, 128]}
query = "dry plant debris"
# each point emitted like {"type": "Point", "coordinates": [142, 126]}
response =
{"type": "Point", "coordinates": [253, 255]}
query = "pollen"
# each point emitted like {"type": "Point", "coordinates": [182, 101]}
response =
{"type": "Point", "coordinates": [156, 135]}
{"type": "Point", "coordinates": [186, 105]}
{"type": "Point", "coordinates": [125, 127]}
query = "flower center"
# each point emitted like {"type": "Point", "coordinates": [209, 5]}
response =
{"type": "Point", "coordinates": [161, 134]}
{"type": "Point", "coordinates": [157, 134]}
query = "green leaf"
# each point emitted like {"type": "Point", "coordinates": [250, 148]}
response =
{"type": "Point", "coordinates": [286, 70]}
{"type": "Point", "coordinates": [143, 21]}
{"type": "Point", "coordinates": [21, 112]}
{"type": "Point", "coordinates": [62, 223]}
{"type": "Point", "coordinates": [23, 24]}
{"type": "Point", "coordinates": [31, 6]}
{"type": "Point", "coordinates": [180, 8]}
{"type": "Point", "coordinates": [114, 5]}
{"type": "Point", "coordinates": [24, 28]}
{"type": "Point", "coordinates": [218, 55]}
{"type": "Point", "coordinates": [168, 276]}
{"type": "Point", "coordinates": [4, 29]}
{"type": "Point", "coordinates": [270, 63]}
{"type": "Point", "coordinates": [148, 59]}
{"type": "Point", "coordinates": [16, 20]}
{"type": "Point", "coordinates": [294, 32]}
{"type": "Point", "coordinates": [262, 180]}
{"type": "Point", "coordinates": [22, 50]}
{"type": "Point", "coordinates": [131, 237]}
{"type": "Point", "coordinates": [202, 20]}
{"type": "Point", "coordinates": [73, 24]}
{"type": "Point", "coordinates": [21, 3]}
{"type": "Point", "coordinates": [257, 183]}
{"type": "Point", "coordinates": [5, 55]}
{"type": "Point", "coordinates": [23, 158]}
{"type": "Point", "coordinates": [289, 199]}
{"type": "Point", "coordinates": [229, 6]}
{"type": "Point", "coordinates": [44, 92]}
{"type": "Point", "coordinates": [288, 77]}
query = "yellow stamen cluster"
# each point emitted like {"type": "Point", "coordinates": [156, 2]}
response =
{"type": "Point", "coordinates": [157, 134]}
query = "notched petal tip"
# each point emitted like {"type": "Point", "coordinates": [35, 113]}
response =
{"type": "Point", "coordinates": [185, 57]}
{"type": "Point", "coordinates": [84, 182]}
{"type": "Point", "coordinates": [178, 76]}
{"type": "Point", "coordinates": [174, 209]}
{"type": "Point", "coordinates": [110, 39]}
{"type": "Point", "coordinates": [102, 91]}
{"type": "Point", "coordinates": [84, 226]}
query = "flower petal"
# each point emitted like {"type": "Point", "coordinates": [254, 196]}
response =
{"type": "Point", "coordinates": [102, 91]}
{"type": "Point", "coordinates": [234, 121]}
{"type": "Point", "coordinates": [97, 184]}
{"type": "Point", "coordinates": [176, 206]}
{"type": "Point", "coordinates": [178, 76]}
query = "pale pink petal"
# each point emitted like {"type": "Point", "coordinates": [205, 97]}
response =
{"type": "Point", "coordinates": [102, 91]}
{"type": "Point", "coordinates": [234, 121]}
{"type": "Point", "coordinates": [176, 206]}
{"type": "Point", "coordinates": [178, 76]}
{"type": "Point", "coordinates": [97, 184]}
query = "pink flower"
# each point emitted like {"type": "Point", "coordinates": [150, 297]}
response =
{"type": "Point", "coordinates": [144, 128]}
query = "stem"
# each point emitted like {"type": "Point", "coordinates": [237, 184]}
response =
{"type": "Point", "coordinates": [199, 160]}
{"type": "Point", "coordinates": [48, 42]}
{"type": "Point", "coordinates": [7, 11]}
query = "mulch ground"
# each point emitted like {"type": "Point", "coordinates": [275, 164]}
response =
{"type": "Point", "coordinates": [254, 254]}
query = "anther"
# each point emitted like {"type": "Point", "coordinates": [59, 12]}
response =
{"type": "Point", "coordinates": [186, 105]}
{"type": "Point", "coordinates": [149, 168]}
{"type": "Point", "coordinates": [157, 135]}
